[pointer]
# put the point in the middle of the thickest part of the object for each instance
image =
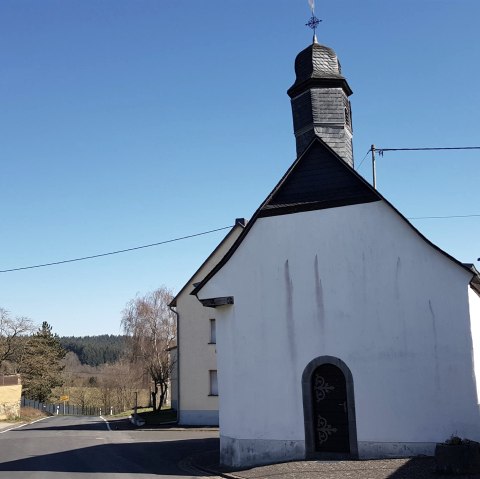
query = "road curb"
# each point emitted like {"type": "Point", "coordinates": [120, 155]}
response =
{"type": "Point", "coordinates": [226, 475]}
{"type": "Point", "coordinates": [190, 463]}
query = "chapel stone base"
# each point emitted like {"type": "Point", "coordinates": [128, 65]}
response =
{"type": "Point", "coordinates": [255, 452]}
{"type": "Point", "coordinates": [390, 450]}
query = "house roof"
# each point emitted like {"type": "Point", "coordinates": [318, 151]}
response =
{"type": "Point", "coordinates": [239, 223]}
{"type": "Point", "coordinates": [318, 179]}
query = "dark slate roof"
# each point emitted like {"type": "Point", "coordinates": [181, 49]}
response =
{"type": "Point", "coordinates": [318, 179]}
{"type": "Point", "coordinates": [317, 64]}
{"type": "Point", "coordinates": [307, 186]}
{"type": "Point", "coordinates": [317, 61]}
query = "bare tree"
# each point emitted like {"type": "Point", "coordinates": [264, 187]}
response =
{"type": "Point", "coordinates": [151, 325]}
{"type": "Point", "coordinates": [12, 330]}
{"type": "Point", "coordinates": [119, 383]}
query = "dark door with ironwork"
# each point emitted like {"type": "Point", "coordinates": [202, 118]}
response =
{"type": "Point", "coordinates": [330, 413]}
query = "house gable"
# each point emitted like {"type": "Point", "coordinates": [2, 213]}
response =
{"type": "Point", "coordinates": [205, 267]}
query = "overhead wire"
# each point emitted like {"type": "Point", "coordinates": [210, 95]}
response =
{"type": "Point", "coordinates": [135, 248]}
{"type": "Point", "coordinates": [364, 158]}
{"type": "Point", "coordinates": [100, 255]}
{"type": "Point", "coordinates": [126, 250]}
{"type": "Point", "coordinates": [428, 148]}
{"type": "Point", "coordinates": [441, 217]}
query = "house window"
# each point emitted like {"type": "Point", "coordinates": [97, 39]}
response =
{"type": "Point", "coordinates": [213, 332]}
{"type": "Point", "coordinates": [213, 383]}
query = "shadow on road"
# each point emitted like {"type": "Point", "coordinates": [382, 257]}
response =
{"type": "Point", "coordinates": [158, 458]}
{"type": "Point", "coordinates": [87, 426]}
{"type": "Point", "coordinates": [424, 467]}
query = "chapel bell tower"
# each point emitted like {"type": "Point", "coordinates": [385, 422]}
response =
{"type": "Point", "coordinates": [320, 104]}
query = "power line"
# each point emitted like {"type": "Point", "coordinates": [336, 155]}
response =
{"type": "Point", "coordinates": [380, 151]}
{"type": "Point", "coordinates": [100, 255]}
{"type": "Point", "coordinates": [432, 148]}
{"type": "Point", "coordinates": [442, 217]}
{"type": "Point", "coordinates": [366, 154]}
{"type": "Point", "coordinates": [428, 149]}
{"type": "Point", "coordinates": [115, 252]}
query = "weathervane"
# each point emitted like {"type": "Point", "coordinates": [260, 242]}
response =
{"type": "Point", "coordinates": [313, 22]}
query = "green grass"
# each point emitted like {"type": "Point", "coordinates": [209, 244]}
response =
{"type": "Point", "coordinates": [147, 414]}
{"type": "Point", "coordinates": [129, 412]}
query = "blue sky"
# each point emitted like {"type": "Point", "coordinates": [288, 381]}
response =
{"type": "Point", "coordinates": [128, 122]}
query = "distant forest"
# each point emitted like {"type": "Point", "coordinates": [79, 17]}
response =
{"type": "Point", "coordinates": [96, 350]}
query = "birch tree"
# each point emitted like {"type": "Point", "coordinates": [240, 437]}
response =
{"type": "Point", "coordinates": [151, 325]}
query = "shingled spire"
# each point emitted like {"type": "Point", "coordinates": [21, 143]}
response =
{"type": "Point", "coordinates": [320, 104]}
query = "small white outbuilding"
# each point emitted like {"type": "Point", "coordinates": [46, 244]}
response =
{"type": "Point", "coordinates": [341, 330]}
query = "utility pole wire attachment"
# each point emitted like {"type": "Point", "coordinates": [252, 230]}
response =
{"type": "Point", "coordinates": [381, 151]}
{"type": "Point", "coordinates": [374, 168]}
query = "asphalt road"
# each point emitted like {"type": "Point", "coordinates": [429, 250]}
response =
{"type": "Point", "coordinates": [70, 447]}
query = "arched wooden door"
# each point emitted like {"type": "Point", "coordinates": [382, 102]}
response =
{"type": "Point", "coordinates": [329, 409]}
{"type": "Point", "coordinates": [330, 415]}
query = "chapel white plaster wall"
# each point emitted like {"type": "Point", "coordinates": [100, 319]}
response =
{"type": "Point", "coordinates": [474, 301]}
{"type": "Point", "coordinates": [359, 284]}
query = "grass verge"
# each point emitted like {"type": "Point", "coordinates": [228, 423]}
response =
{"type": "Point", "coordinates": [29, 414]}
{"type": "Point", "coordinates": [160, 417]}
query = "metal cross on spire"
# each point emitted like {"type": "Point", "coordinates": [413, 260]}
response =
{"type": "Point", "coordinates": [313, 22]}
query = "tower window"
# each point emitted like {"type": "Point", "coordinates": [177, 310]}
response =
{"type": "Point", "coordinates": [348, 112]}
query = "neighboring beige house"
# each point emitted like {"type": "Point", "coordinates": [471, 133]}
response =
{"type": "Point", "coordinates": [196, 390]}
{"type": "Point", "coordinates": [10, 396]}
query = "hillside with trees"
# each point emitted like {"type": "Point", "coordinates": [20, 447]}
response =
{"type": "Point", "coordinates": [96, 350]}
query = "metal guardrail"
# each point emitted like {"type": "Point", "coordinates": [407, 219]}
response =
{"type": "Point", "coordinates": [64, 409]}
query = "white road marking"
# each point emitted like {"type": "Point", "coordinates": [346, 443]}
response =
{"type": "Point", "coordinates": [21, 425]}
{"type": "Point", "coordinates": [107, 423]}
